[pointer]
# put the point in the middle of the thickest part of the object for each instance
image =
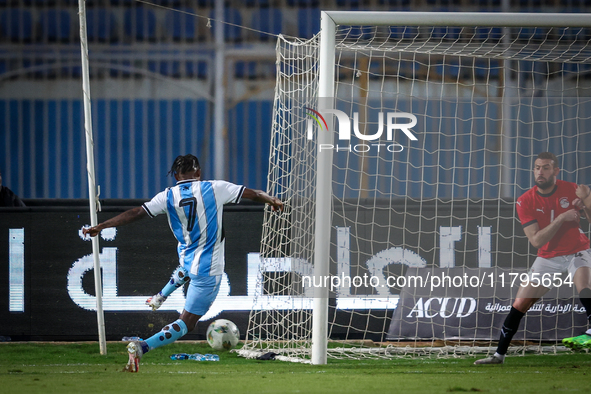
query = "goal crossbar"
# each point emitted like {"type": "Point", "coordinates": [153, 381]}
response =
{"type": "Point", "coordinates": [459, 19]}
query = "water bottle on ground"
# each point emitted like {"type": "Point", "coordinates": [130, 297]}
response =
{"type": "Point", "coordinates": [131, 339]}
{"type": "Point", "coordinates": [180, 356]}
{"type": "Point", "coordinates": [195, 357]}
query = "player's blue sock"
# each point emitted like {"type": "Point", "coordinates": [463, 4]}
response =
{"type": "Point", "coordinates": [168, 334]}
{"type": "Point", "coordinates": [179, 277]}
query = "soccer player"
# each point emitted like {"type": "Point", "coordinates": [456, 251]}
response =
{"type": "Point", "coordinates": [549, 213]}
{"type": "Point", "coordinates": [194, 209]}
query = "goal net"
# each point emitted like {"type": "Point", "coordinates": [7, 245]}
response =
{"type": "Point", "coordinates": [400, 174]}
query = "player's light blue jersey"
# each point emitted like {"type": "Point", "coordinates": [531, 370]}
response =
{"type": "Point", "coordinates": [194, 209]}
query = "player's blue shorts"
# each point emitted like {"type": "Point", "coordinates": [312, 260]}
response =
{"type": "Point", "coordinates": [202, 293]}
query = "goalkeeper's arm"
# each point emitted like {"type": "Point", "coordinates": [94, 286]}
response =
{"type": "Point", "coordinates": [584, 193]}
{"type": "Point", "coordinates": [124, 218]}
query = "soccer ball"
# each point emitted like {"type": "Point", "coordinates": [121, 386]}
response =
{"type": "Point", "coordinates": [222, 334]}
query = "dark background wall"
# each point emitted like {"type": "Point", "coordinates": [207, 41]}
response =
{"type": "Point", "coordinates": [146, 256]}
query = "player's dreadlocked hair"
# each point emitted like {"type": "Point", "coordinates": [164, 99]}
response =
{"type": "Point", "coordinates": [184, 164]}
{"type": "Point", "coordinates": [549, 156]}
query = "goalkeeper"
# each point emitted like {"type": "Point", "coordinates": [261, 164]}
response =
{"type": "Point", "coordinates": [194, 209]}
{"type": "Point", "coordinates": [549, 213]}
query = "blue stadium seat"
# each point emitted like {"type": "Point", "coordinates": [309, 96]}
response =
{"type": "Point", "coordinates": [71, 3]}
{"type": "Point", "coordinates": [17, 25]}
{"type": "Point", "coordinates": [407, 69]}
{"type": "Point", "coordinates": [170, 3]}
{"type": "Point", "coordinates": [446, 33]}
{"type": "Point", "coordinates": [526, 67]}
{"type": "Point", "coordinates": [287, 69]}
{"type": "Point", "coordinates": [75, 71]}
{"type": "Point", "coordinates": [570, 69]}
{"type": "Point", "coordinates": [443, 2]}
{"type": "Point", "coordinates": [257, 3]}
{"type": "Point", "coordinates": [39, 3]}
{"type": "Point", "coordinates": [571, 33]}
{"type": "Point", "coordinates": [308, 22]}
{"type": "Point", "coordinates": [231, 15]}
{"type": "Point", "coordinates": [394, 4]}
{"type": "Point", "coordinates": [376, 69]}
{"type": "Point", "coordinates": [530, 3]}
{"type": "Point", "coordinates": [126, 3]}
{"type": "Point", "coordinates": [573, 5]}
{"type": "Point", "coordinates": [360, 33]}
{"type": "Point", "coordinates": [488, 3]}
{"type": "Point", "coordinates": [269, 20]}
{"type": "Point", "coordinates": [45, 68]}
{"type": "Point", "coordinates": [120, 69]}
{"type": "Point", "coordinates": [168, 68]}
{"type": "Point", "coordinates": [348, 3]}
{"type": "Point", "coordinates": [493, 34]}
{"type": "Point", "coordinates": [3, 67]}
{"type": "Point", "coordinates": [303, 3]}
{"type": "Point", "coordinates": [180, 26]}
{"type": "Point", "coordinates": [196, 69]}
{"type": "Point", "coordinates": [206, 3]}
{"type": "Point", "coordinates": [174, 68]}
{"type": "Point", "coordinates": [55, 25]}
{"type": "Point", "coordinates": [531, 33]}
{"type": "Point", "coordinates": [403, 33]}
{"type": "Point", "coordinates": [246, 70]}
{"type": "Point", "coordinates": [449, 70]}
{"type": "Point", "coordinates": [487, 69]}
{"type": "Point", "coordinates": [255, 70]}
{"type": "Point", "coordinates": [101, 25]}
{"type": "Point", "coordinates": [140, 24]}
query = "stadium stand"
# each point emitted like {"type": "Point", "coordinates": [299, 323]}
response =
{"type": "Point", "coordinates": [308, 22]}
{"type": "Point", "coordinates": [140, 24]}
{"type": "Point", "coordinates": [181, 27]}
{"type": "Point", "coordinates": [232, 30]}
{"type": "Point", "coordinates": [267, 20]}
{"type": "Point", "coordinates": [54, 26]}
{"type": "Point", "coordinates": [101, 25]}
{"type": "Point", "coordinates": [16, 25]}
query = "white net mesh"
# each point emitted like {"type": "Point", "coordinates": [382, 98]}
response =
{"type": "Point", "coordinates": [487, 100]}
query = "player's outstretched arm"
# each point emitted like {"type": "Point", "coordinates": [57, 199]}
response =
{"type": "Point", "coordinates": [261, 196]}
{"type": "Point", "coordinates": [124, 218]}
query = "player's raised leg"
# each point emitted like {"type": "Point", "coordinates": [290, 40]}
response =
{"type": "Point", "coordinates": [179, 277]}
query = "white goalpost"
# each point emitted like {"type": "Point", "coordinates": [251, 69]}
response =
{"type": "Point", "coordinates": [92, 187]}
{"type": "Point", "coordinates": [400, 143]}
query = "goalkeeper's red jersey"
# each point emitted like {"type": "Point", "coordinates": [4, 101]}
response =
{"type": "Point", "coordinates": [533, 207]}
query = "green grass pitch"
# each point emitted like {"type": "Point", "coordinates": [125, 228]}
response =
{"type": "Point", "coordinates": [79, 368]}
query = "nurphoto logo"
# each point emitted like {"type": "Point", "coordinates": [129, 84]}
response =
{"type": "Point", "coordinates": [394, 121]}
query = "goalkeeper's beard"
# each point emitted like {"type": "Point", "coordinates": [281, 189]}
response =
{"type": "Point", "coordinates": [545, 183]}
